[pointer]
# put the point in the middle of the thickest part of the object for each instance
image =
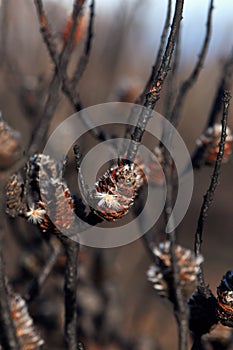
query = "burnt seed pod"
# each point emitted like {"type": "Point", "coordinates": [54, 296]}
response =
{"type": "Point", "coordinates": [28, 337]}
{"type": "Point", "coordinates": [210, 141]}
{"type": "Point", "coordinates": [202, 307]}
{"type": "Point", "coordinates": [225, 300]}
{"type": "Point", "coordinates": [116, 190]}
{"type": "Point", "coordinates": [45, 178]}
{"type": "Point", "coordinates": [15, 205]}
{"type": "Point", "coordinates": [161, 274]}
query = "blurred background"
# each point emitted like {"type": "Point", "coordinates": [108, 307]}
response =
{"type": "Point", "coordinates": [118, 308]}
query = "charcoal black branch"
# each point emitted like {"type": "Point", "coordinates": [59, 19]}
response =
{"type": "Point", "coordinates": [150, 99]}
{"type": "Point", "coordinates": [8, 337]}
{"type": "Point", "coordinates": [225, 83]}
{"type": "Point", "coordinates": [209, 196]}
{"type": "Point", "coordinates": [189, 82]}
{"type": "Point", "coordinates": [60, 74]}
{"type": "Point", "coordinates": [38, 283]}
{"type": "Point", "coordinates": [70, 291]}
{"type": "Point", "coordinates": [83, 61]}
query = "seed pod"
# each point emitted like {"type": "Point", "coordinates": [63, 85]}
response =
{"type": "Point", "coordinates": [210, 142]}
{"type": "Point", "coordinates": [202, 306]}
{"type": "Point", "coordinates": [28, 337]}
{"type": "Point", "coordinates": [10, 149]}
{"type": "Point", "coordinates": [225, 300]}
{"type": "Point", "coordinates": [14, 196]}
{"type": "Point", "coordinates": [52, 198]}
{"type": "Point", "coordinates": [116, 190]}
{"type": "Point", "coordinates": [161, 275]}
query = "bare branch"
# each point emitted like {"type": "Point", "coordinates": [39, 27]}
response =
{"type": "Point", "coordinates": [68, 87]}
{"type": "Point", "coordinates": [8, 337]}
{"type": "Point", "coordinates": [83, 61]}
{"type": "Point", "coordinates": [172, 81]}
{"type": "Point", "coordinates": [46, 31]}
{"type": "Point", "coordinates": [38, 283]}
{"type": "Point", "coordinates": [70, 289]}
{"type": "Point", "coordinates": [151, 98]}
{"type": "Point", "coordinates": [189, 82]}
{"type": "Point", "coordinates": [149, 102]}
{"type": "Point", "coordinates": [41, 130]}
{"type": "Point", "coordinates": [154, 71]}
{"type": "Point", "coordinates": [209, 196]}
{"type": "Point", "coordinates": [225, 83]}
{"type": "Point", "coordinates": [157, 63]}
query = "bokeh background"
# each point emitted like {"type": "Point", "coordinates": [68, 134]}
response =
{"type": "Point", "coordinates": [116, 303]}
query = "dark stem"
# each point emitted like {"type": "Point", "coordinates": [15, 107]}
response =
{"type": "Point", "coordinates": [225, 83]}
{"type": "Point", "coordinates": [180, 304]}
{"type": "Point", "coordinates": [150, 99]}
{"type": "Point", "coordinates": [83, 61]}
{"type": "Point", "coordinates": [209, 196]}
{"type": "Point", "coordinates": [60, 74]}
{"type": "Point", "coordinates": [68, 86]}
{"type": "Point", "coordinates": [189, 82]}
{"type": "Point", "coordinates": [46, 31]}
{"type": "Point", "coordinates": [172, 81]}
{"type": "Point", "coordinates": [154, 71]}
{"type": "Point", "coordinates": [158, 59]}
{"type": "Point", "coordinates": [70, 289]}
{"type": "Point", "coordinates": [38, 283]}
{"type": "Point", "coordinates": [8, 338]}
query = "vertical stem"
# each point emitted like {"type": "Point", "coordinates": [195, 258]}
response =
{"type": "Point", "coordinates": [8, 337]}
{"type": "Point", "coordinates": [70, 289]}
{"type": "Point", "coordinates": [209, 196]}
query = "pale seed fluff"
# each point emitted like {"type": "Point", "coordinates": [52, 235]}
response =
{"type": "Point", "coordinates": [108, 200]}
{"type": "Point", "coordinates": [35, 215]}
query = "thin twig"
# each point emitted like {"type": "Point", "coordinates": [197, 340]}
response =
{"type": "Point", "coordinates": [180, 306]}
{"type": "Point", "coordinates": [83, 61]}
{"type": "Point", "coordinates": [149, 102]}
{"type": "Point", "coordinates": [68, 87]}
{"type": "Point", "coordinates": [225, 83]}
{"type": "Point", "coordinates": [151, 98]}
{"type": "Point", "coordinates": [46, 31]}
{"type": "Point", "coordinates": [209, 196]}
{"type": "Point", "coordinates": [158, 59]}
{"type": "Point", "coordinates": [70, 289]}
{"type": "Point", "coordinates": [8, 338]}
{"type": "Point", "coordinates": [155, 68]}
{"type": "Point", "coordinates": [38, 283]}
{"type": "Point", "coordinates": [60, 73]}
{"type": "Point", "coordinates": [169, 176]}
{"type": "Point", "coordinates": [189, 82]}
{"type": "Point", "coordinates": [172, 80]}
